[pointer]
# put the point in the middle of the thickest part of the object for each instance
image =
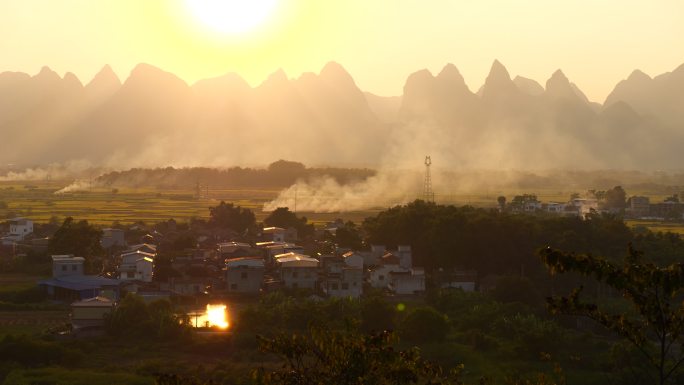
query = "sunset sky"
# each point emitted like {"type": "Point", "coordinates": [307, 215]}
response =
{"type": "Point", "coordinates": [380, 42]}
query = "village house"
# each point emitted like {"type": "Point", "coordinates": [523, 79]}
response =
{"type": "Point", "coordinates": [407, 282]}
{"type": "Point", "coordinates": [379, 276]}
{"type": "Point", "coordinates": [19, 229]}
{"type": "Point", "coordinates": [144, 247]}
{"type": "Point", "coordinates": [347, 282]}
{"type": "Point", "coordinates": [244, 275]}
{"type": "Point", "coordinates": [68, 283]}
{"type": "Point", "coordinates": [273, 234]}
{"type": "Point", "coordinates": [297, 271]}
{"type": "Point", "coordinates": [136, 265]}
{"type": "Point", "coordinates": [87, 316]}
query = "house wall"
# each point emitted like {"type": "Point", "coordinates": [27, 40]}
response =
{"type": "Point", "coordinates": [89, 313]}
{"type": "Point", "coordinates": [408, 284]}
{"type": "Point", "coordinates": [64, 268]}
{"type": "Point", "coordinates": [299, 277]}
{"type": "Point", "coordinates": [244, 279]}
{"type": "Point", "coordinates": [380, 277]}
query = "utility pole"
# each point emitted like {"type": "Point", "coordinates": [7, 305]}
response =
{"type": "Point", "coordinates": [428, 194]}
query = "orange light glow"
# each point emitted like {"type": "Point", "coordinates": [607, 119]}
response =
{"type": "Point", "coordinates": [217, 316]}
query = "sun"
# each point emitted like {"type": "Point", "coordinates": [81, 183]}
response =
{"type": "Point", "coordinates": [232, 17]}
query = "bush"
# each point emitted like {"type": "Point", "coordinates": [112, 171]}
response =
{"type": "Point", "coordinates": [424, 324]}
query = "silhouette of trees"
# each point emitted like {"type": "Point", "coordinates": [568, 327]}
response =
{"type": "Point", "coordinates": [655, 323]}
{"type": "Point", "coordinates": [283, 217]}
{"type": "Point", "coordinates": [229, 216]}
{"type": "Point", "coordinates": [77, 238]}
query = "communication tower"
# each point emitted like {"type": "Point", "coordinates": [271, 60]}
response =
{"type": "Point", "coordinates": [428, 194]}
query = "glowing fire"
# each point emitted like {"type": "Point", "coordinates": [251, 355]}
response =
{"type": "Point", "coordinates": [216, 316]}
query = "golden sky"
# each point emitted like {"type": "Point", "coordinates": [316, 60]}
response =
{"type": "Point", "coordinates": [380, 42]}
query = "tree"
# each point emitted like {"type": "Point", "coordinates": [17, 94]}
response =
{"type": "Point", "coordinates": [672, 199]}
{"type": "Point", "coordinates": [616, 198]}
{"type": "Point", "coordinates": [501, 200]}
{"type": "Point", "coordinates": [424, 324]}
{"type": "Point", "coordinates": [236, 218]}
{"type": "Point", "coordinates": [283, 217]}
{"type": "Point", "coordinates": [655, 325]}
{"type": "Point", "coordinates": [77, 238]}
{"type": "Point", "coordinates": [333, 357]}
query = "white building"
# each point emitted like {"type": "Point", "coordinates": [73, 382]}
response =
{"type": "Point", "coordinates": [353, 259]}
{"type": "Point", "coordinates": [275, 234]}
{"type": "Point", "coordinates": [244, 275]}
{"type": "Point", "coordinates": [407, 282]}
{"type": "Point", "coordinates": [297, 271]}
{"type": "Point", "coordinates": [347, 283]}
{"type": "Point", "coordinates": [21, 227]}
{"type": "Point", "coordinates": [66, 265]}
{"type": "Point", "coordinates": [136, 265]}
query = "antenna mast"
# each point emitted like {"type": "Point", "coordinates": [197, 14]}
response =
{"type": "Point", "coordinates": [428, 194]}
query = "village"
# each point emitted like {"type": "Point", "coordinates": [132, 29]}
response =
{"type": "Point", "coordinates": [218, 265]}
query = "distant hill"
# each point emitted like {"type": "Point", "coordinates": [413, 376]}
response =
{"type": "Point", "coordinates": [153, 118]}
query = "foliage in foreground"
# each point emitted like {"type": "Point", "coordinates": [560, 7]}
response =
{"type": "Point", "coordinates": [337, 357]}
{"type": "Point", "coordinates": [655, 326]}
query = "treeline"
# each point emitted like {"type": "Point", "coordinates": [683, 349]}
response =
{"type": "Point", "coordinates": [277, 175]}
{"type": "Point", "coordinates": [502, 243]}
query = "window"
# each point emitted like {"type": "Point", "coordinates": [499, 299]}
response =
{"type": "Point", "coordinates": [64, 267]}
{"type": "Point", "coordinates": [345, 286]}
{"type": "Point", "coordinates": [233, 286]}
{"type": "Point", "coordinates": [381, 278]}
{"type": "Point", "coordinates": [74, 267]}
{"type": "Point", "coordinates": [243, 275]}
{"type": "Point", "coordinates": [333, 286]}
{"type": "Point", "coordinates": [130, 274]}
{"type": "Point", "coordinates": [295, 274]}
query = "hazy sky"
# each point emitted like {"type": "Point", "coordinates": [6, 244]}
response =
{"type": "Point", "coordinates": [380, 42]}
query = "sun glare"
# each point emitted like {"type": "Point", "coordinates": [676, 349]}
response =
{"type": "Point", "coordinates": [232, 17]}
{"type": "Point", "coordinates": [216, 315]}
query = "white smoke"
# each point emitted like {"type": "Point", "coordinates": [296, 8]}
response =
{"type": "Point", "coordinates": [320, 195]}
{"type": "Point", "coordinates": [79, 185]}
{"type": "Point", "coordinates": [54, 171]}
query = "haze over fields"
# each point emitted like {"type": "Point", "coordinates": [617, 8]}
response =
{"type": "Point", "coordinates": [153, 118]}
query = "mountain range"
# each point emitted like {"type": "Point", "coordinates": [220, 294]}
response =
{"type": "Point", "coordinates": [154, 118]}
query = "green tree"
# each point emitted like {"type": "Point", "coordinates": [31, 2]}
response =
{"type": "Point", "coordinates": [77, 238]}
{"type": "Point", "coordinates": [229, 216]}
{"type": "Point", "coordinates": [655, 325]}
{"type": "Point", "coordinates": [334, 357]}
{"type": "Point", "coordinates": [283, 217]}
{"type": "Point", "coordinates": [424, 324]}
{"type": "Point", "coordinates": [616, 198]}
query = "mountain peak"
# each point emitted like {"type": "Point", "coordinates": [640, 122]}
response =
{"type": "Point", "coordinates": [47, 73]}
{"type": "Point", "coordinates": [498, 83]}
{"type": "Point", "coordinates": [451, 74]}
{"type": "Point", "coordinates": [498, 72]}
{"type": "Point", "coordinates": [334, 73]}
{"type": "Point", "coordinates": [528, 86]}
{"type": "Point", "coordinates": [638, 75]}
{"type": "Point", "coordinates": [104, 82]}
{"type": "Point", "coordinates": [72, 80]}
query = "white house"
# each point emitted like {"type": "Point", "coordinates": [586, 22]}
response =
{"type": "Point", "coordinates": [21, 227]}
{"type": "Point", "coordinates": [144, 247]}
{"type": "Point", "coordinates": [244, 275]}
{"type": "Point", "coordinates": [136, 265]}
{"type": "Point", "coordinates": [297, 270]}
{"type": "Point", "coordinates": [347, 283]}
{"type": "Point", "coordinates": [65, 265]}
{"type": "Point", "coordinates": [407, 282]}
{"type": "Point", "coordinates": [275, 234]}
{"type": "Point", "coordinates": [380, 274]}
{"type": "Point", "coordinates": [353, 259]}
{"type": "Point", "coordinates": [405, 256]}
